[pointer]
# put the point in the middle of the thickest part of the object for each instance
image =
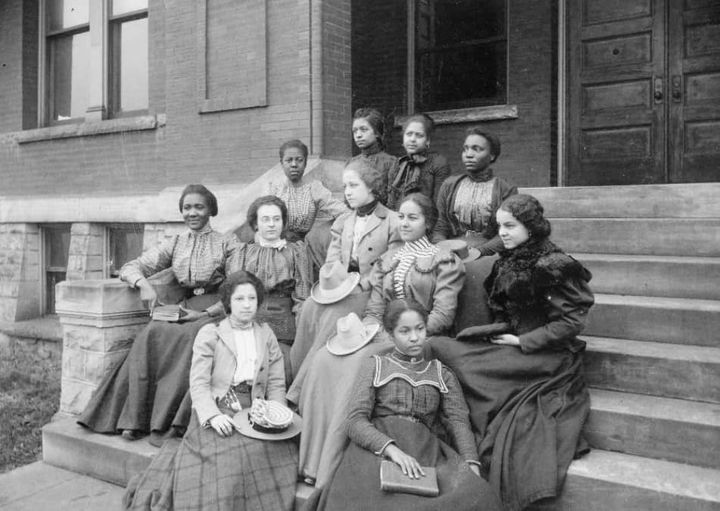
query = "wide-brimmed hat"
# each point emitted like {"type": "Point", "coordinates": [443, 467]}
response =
{"type": "Point", "coordinates": [335, 283]}
{"type": "Point", "coordinates": [351, 335]}
{"type": "Point", "coordinates": [241, 421]}
{"type": "Point", "coordinates": [460, 248]}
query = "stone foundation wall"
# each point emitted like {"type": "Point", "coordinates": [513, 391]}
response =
{"type": "Point", "coordinates": [19, 271]}
{"type": "Point", "coordinates": [86, 258]}
{"type": "Point", "coordinates": [100, 319]}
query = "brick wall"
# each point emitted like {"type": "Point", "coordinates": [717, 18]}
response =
{"type": "Point", "coordinates": [233, 146]}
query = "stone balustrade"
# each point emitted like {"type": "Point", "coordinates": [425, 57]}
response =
{"type": "Point", "coordinates": [100, 319]}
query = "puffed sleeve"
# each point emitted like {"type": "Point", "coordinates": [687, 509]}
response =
{"type": "Point", "coordinates": [456, 417]}
{"type": "Point", "coordinates": [232, 250]}
{"type": "Point", "coordinates": [151, 261]}
{"type": "Point", "coordinates": [442, 227]}
{"type": "Point", "coordinates": [334, 252]}
{"type": "Point", "coordinates": [359, 427]}
{"type": "Point", "coordinates": [201, 373]}
{"type": "Point", "coordinates": [276, 368]}
{"type": "Point", "coordinates": [326, 202]}
{"type": "Point", "coordinates": [450, 278]}
{"type": "Point", "coordinates": [441, 173]}
{"type": "Point", "coordinates": [566, 304]}
{"type": "Point", "coordinates": [375, 308]}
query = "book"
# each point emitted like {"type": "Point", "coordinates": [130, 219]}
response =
{"type": "Point", "coordinates": [169, 313]}
{"type": "Point", "coordinates": [392, 479]}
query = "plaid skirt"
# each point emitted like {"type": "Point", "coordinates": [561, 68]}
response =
{"type": "Point", "coordinates": [207, 471]}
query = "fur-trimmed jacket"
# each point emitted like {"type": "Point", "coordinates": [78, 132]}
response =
{"type": "Point", "coordinates": [433, 281]}
{"type": "Point", "coordinates": [543, 294]}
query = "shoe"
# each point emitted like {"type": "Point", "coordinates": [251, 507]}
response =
{"type": "Point", "coordinates": [131, 434]}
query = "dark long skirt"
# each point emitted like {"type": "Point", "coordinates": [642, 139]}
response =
{"type": "Point", "coordinates": [207, 471]}
{"type": "Point", "coordinates": [527, 412]}
{"type": "Point", "coordinates": [356, 483]}
{"type": "Point", "coordinates": [149, 390]}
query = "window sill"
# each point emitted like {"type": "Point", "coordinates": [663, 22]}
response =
{"type": "Point", "coordinates": [90, 128]}
{"type": "Point", "coordinates": [484, 113]}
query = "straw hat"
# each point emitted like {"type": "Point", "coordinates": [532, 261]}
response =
{"type": "Point", "coordinates": [351, 335]}
{"type": "Point", "coordinates": [460, 248]}
{"type": "Point", "coordinates": [335, 283]}
{"type": "Point", "coordinates": [241, 421]}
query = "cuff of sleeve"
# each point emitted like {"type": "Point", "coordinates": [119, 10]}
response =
{"type": "Point", "coordinates": [215, 310]}
{"type": "Point", "coordinates": [525, 344]}
{"type": "Point", "coordinates": [474, 462]}
{"type": "Point", "coordinates": [381, 451]}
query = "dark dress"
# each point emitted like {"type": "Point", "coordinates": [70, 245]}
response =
{"type": "Point", "coordinates": [421, 173]}
{"type": "Point", "coordinates": [413, 404]}
{"type": "Point", "coordinates": [147, 391]}
{"type": "Point", "coordinates": [481, 230]}
{"type": "Point", "coordinates": [527, 403]}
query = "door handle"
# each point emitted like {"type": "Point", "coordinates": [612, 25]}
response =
{"type": "Point", "coordinates": [676, 92]}
{"type": "Point", "coordinates": [658, 90]}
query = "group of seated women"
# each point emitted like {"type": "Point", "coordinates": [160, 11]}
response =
{"type": "Point", "coordinates": [440, 336]}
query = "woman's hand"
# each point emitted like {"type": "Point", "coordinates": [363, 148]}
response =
{"type": "Point", "coordinates": [222, 424]}
{"type": "Point", "coordinates": [191, 315]}
{"type": "Point", "coordinates": [409, 465]}
{"type": "Point", "coordinates": [508, 339]}
{"type": "Point", "coordinates": [147, 293]}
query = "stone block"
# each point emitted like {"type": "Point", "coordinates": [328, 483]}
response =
{"type": "Point", "coordinates": [98, 299]}
{"type": "Point", "coordinates": [7, 309]}
{"type": "Point", "coordinates": [80, 228]}
{"type": "Point", "coordinates": [92, 338]}
{"type": "Point", "coordinates": [95, 245]}
{"type": "Point", "coordinates": [9, 289]}
{"type": "Point", "coordinates": [97, 365]}
{"type": "Point", "coordinates": [74, 396]}
{"type": "Point", "coordinates": [73, 363]}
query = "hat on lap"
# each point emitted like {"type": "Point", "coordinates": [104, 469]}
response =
{"type": "Point", "coordinates": [335, 283]}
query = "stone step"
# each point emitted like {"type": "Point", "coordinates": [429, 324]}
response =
{"type": "Point", "coordinates": [599, 481]}
{"type": "Point", "coordinates": [655, 427]}
{"type": "Point", "coordinates": [106, 457]}
{"type": "Point", "coordinates": [673, 320]}
{"type": "Point", "coordinates": [661, 369]}
{"type": "Point", "coordinates": [642, 201]}
{"type": "Point", "coordinates": [668, 276]}
{"type": "Point", "coordinates": [604, 481]}
{"type": "Point", "coordinates": [652, 236]}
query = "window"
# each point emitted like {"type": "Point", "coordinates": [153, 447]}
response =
{"type": "Point", "coordinates": [459, 59]}
{"type": "Point", "coordinates": [56, 250]}
{"type": "Point", "coordinates": [125, 243]}
{"type": "Point", "coordinates": [75, 85]}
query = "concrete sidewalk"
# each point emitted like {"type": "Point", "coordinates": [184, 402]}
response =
{"type": "Point", "coordinates": [39, 486]}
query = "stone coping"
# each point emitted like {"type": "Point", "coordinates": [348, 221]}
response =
{"type": "Point", "coordinates": [46, 328]}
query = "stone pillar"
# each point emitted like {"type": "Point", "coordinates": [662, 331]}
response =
{"type": "Point", "coordinates": [19, 271]}
{"type": "Point", "coordinates": [86, 256]}
{"type": "Point", "coordinates": [100, 319]}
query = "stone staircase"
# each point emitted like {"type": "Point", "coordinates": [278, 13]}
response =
{"type": "Point", "coordinates": [653, 359]}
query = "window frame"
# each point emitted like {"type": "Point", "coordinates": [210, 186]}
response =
{"type": "Point", "coordinates": [455, 115]}
{"type": "Point", "coordinates": [103, 79]}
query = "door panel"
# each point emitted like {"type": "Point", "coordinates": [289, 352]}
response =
{"type": "Point", "coordinates": [617, 91]}
{"type": "Point", "coordinates": [694, 108]}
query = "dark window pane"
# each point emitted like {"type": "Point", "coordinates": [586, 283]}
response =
{"type": "Point", "coordinates": [67, 13]}
{"type": "Point", "coordinates": [126, 243]}
{"type": "Point", "coordinates": [462, 77]}
{"type": "Point", "coordinates": [130, 54]}
{"type": "Point", "coordinates": [57, 246]}
{"type": "Point", "coordinates": [69, 56]}
{"type": "Point", "coordinates": [461, 55]}
{"type": "Point", "coordinates": [123, 6]}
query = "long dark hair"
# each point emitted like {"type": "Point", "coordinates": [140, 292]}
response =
{"type": "Point", "coordinates": [529, 212]}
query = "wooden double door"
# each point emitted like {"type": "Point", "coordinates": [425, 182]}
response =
{"type": "Point", "coordinates": [643, 101]}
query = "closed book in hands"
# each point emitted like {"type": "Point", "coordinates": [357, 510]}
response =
{"type": "Point", "coordinates": [392, 479]}
{"type": "Point", "coordinates": [170, 313]}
